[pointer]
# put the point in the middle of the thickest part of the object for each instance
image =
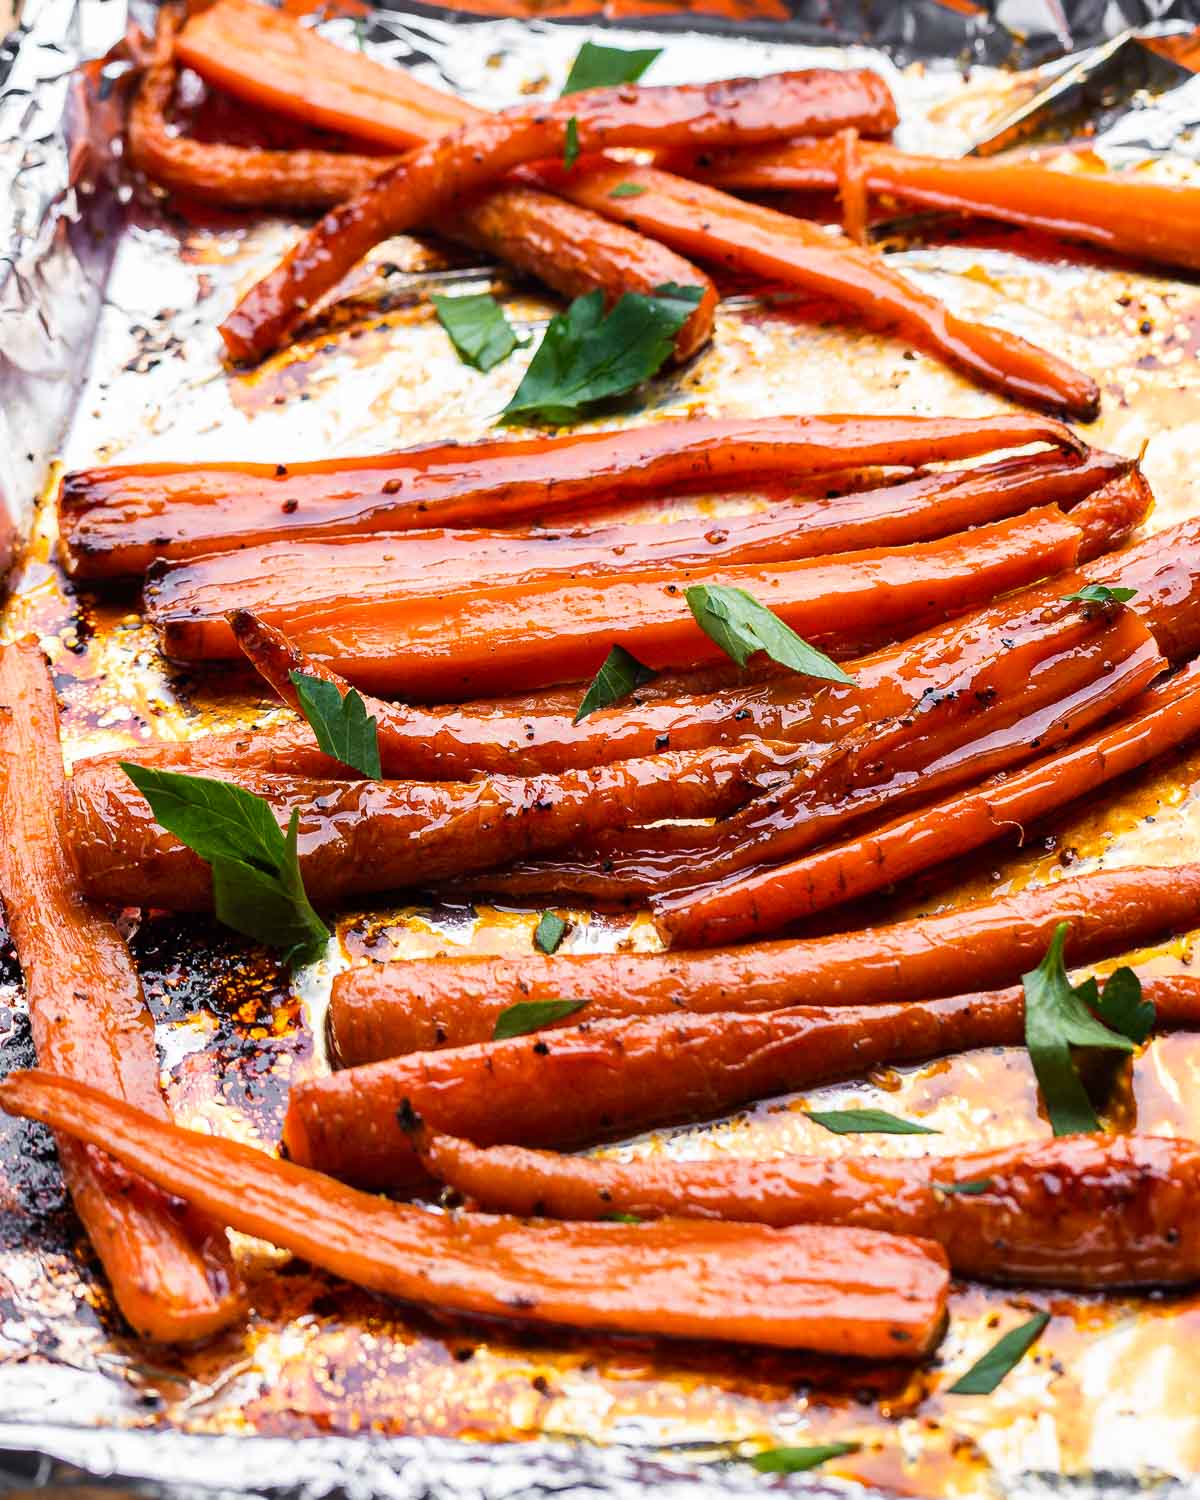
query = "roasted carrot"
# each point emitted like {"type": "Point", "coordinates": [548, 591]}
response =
{"type": "Point", "coordinates": [1071, 194]}
{"type": "Point", "coordinates": [281, 581]}
{"type": "Point", "coordinates": [1090, 1212]}
{"type": "Point", "coordinates": [363, 836]}
{"type": "Point", "coordinates": [849, 1292]}
{"type": "Point", "coordinates": [434, 179]}
{"type": "Point", "coordinates": [716, 228]}
{"type": "Point", "coordinates": [116, 521]}
{"type": "Point", "coordinates": [461, 645]}
{"type": "Point", "coordinates": [171, 1276]}
{"type": "Point", "coordinates": [763, 901]}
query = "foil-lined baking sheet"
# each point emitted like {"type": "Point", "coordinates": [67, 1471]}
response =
{"type": "Point", "coordinates": [109, 301]}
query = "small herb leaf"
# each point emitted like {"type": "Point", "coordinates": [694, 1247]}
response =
{"type": "Point", "coordinates": [1122, 1007]}
{"type": "Point", "coordinates": [627, 190]}
{"type": "Point", "coordinates": [571, 144]}
{"type": "Point", "coordinates": [588, 355]}
{"type": "Point", "coordinates": [620, 674]}
{"type": "Point", "coordinates": [549, 932]}
{"type": "Point", "coordinates": [341, 725]}
{"type": "Point", "coordinates": [1057, 1018]}
{"type": "Point", "coordinates": [987, 1372]}
{"type": "Point", "coordinates": [1100, 593]}
{"type": "Point", "coordinates": [866, 1122]}
{"type": "Point", "coordinates": [740, 625]}
{"type": "Point", "coordinates": [478, 329]}
{"type": "Point", "coordinates": [621, 1218]}
{"type": "Point", "coordinates": [531, 1015]}
{"type": "Point", "coordinates": [970, 1189]}
{"type": "Point", "coordinates": [797, 1460]}
{"type": "Point", "coordinates": [597, 67]}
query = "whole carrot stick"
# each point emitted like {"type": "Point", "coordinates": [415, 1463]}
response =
{"type": "Point", "coordinates": [722, 230]}
{"type": "Point", "coordinates": [509, 639]}
{"type": "Point", "coordinates": [280, 581]}
{"type": "Point", "coordinates": [1125, 212]}
{"type": "Point", "coordinates": [172, 1277]}
{"type": "Point", "coordinates": [1037, 1214]}
{"type": "Point", "coordinates": [760, 902]}
{"type": "Point", "coordinates": [432, 179]}
{"type": "Point", "coordinates": [357, 837]}
{"type": "Point", "coordinates": [849, 1292]}
{"type": "Point", "coordinates": [116, 521]}
{"type": "Point", "coordinates": [389, 1009]}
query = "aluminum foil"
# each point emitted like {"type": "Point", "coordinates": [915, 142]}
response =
{"type": "Point", "coordinates": [109, 301]}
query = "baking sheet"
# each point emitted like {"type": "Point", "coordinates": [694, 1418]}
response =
{"type": "Point", "coordinates": [346, 1394]}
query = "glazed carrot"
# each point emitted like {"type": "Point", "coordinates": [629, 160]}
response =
{"type": "Point", "coordinates": [1046, 1214]}
{"type": "Point", "coordinates": [846, 1292]}
{"type": "Point", "coordinates": [763, 901]}
{"type": "Point", "coordinates": [281, 581]}
{"type": "Point", "coordinates": [357, 837]}
{"type": "Point", "coordinates": [1126, 212]}
{"type": "Point", "coordinates": [722, 230]}
{"type": "Point", "coordinates": [509, 639]}
{"type": "Point", "coordinates": [433, 179]}
{"type": "Point", "coordinates": [388, 1009]}
{"type": "Point", "coordinates": [172, 1277]}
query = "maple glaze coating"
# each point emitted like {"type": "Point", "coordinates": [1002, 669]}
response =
{"type": "Point", "coordinates": [359, 836]}
{"type": "Point", "coordinates": [721, 230]}
{"type": "Point", "coordinates": [850, 1292]}
{"type": "Point", "coordinates": [1125, 212]}
{"type": "Point", "coordinates": [283, 581]}
{"type": "Point", "coordinates": [171, 1275]}
{"type": "Point", "coordinates": [115, 521]}
{"type": "Point", "coordinates": [1083, 1211]}
{"type": "Point", "coordinates": [388, 1009]}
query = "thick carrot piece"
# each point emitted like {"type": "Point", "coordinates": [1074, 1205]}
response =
{"type": "Point", "coordinates": [702, 221]}
{"type": "Point", "coordinates": [389, 1009]}
{"type": "Point", "coordinates": [436, 178]}
{"type": "Point", "coordinates": [281, 581]}
{"type": "Point", "coordinates": [359, 837]}
{"type": "Point", "coordinates": [1125, 212]}
{"type": "Point", "coordinates": [435, 649]}
{"type": "Point", "coordinates": [172, 1278]}
{"type": "Point", "coordinates": [1044, 1213]}
{"type": "Point", "coordinates": [852, 1292]}
{"type": "Point", "coordinates": [763, 901]}
{"type": "Point", "coordinates": [116, 521]}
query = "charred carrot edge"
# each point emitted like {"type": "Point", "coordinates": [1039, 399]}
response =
{"type": "Point", "coordinates": [359, 837]}
{"type": "Point", "coordinates": [763, 901]}
{"type": "Point", "coordinates": [851, 1292]}
{"type": "Point", "coordinates": [116, 521]}
{"type": "Point", "coordinates": [173, 1279]}
{"type": "Point", "coordinates": [716, 228]}
{"type": "Point", "coordinates": [386, 1010]}
{"type": "Point", "coordinates": [1123, 212]}
{"type": "Point", "coordinates": [1039, 1213]}
{"type": "Point", "coordinates": [469, 643]}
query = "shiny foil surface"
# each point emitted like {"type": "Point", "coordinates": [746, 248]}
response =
{"type": "Point", "coordinates": [109, 301]}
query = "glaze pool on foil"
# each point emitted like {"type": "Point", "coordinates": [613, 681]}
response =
{"type": "Point", "coordinates": [373, 1389]}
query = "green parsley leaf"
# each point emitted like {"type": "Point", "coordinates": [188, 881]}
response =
{"type": "Point", "coordinates": [549, 932]}
{"type": "Point", "coordinates": [257, 887]}
{"type": "Point", "coordinates": [970, 1189]}
{"type": "Point", "coordinates": [571, 144]}
{"type": "Point", "coordinates": [531, 1015]}
{"type": "Point", "coordinates": [1057, 1018]}
{"type": "Point", "coordinates": [588, 355]}
{"type": "Point", "coordinates": [478, 329]}
{"type": "Point", "coordinates": [740, 625]}
{"type": "Point", "coordinates": [1122, 1006]}
{"type": "Point", "coordinates": [620, 674]}
{"type": "Point", "coordinates": [987, 1372]}
{"type": "Point", "coordinates": [621, 1218]}
{"type": "Point", "coordinates": [341, 725]}
{"type": "Point", "coordinates": [797, 1460]}
{"type": "Point", "coordinates": [1100, 593]}
{"type": "Point", "coordinates": [627, 190]}
{"type": "Point", "coordinates": [597, 67]}
{"type": "Point", "coordinates": [866, 1122]}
